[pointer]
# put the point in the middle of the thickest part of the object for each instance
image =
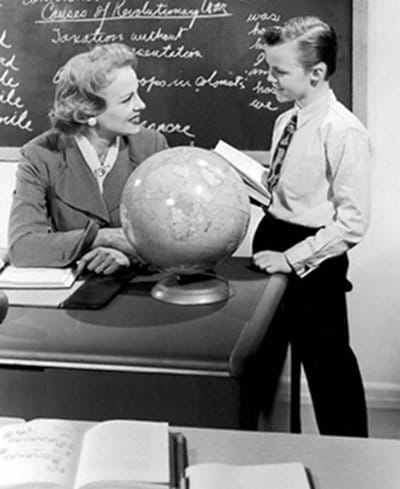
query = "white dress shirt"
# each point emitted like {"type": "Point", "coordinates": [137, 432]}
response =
{"type": "Point", "coordinates": [99, 169]}
{"type": "Point", "coordinates": [324, 182]}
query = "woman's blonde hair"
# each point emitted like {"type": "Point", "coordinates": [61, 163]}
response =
{"type": "Point", "coordinates": [79, 82]}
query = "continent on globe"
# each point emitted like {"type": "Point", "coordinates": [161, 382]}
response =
{"type": "Point", "coordinates": [185, 209]}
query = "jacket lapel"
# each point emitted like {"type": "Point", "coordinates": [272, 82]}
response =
{"type": "Point", "coordinates": [77, 186]}
{"type": "Point", "coordinates": [115, 180]}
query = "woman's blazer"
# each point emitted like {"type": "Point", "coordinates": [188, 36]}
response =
{"type": "Point", "coordinates": [57, 206]}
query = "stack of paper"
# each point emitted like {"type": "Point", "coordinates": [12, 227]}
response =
{"type": "Point", "coordinates": [251, 171]}
{"type": "Point", "coordinates": [32, 278]}
{"type": "Point", "coordinates": [291, 475]}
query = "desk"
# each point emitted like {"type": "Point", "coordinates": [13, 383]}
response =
{"type": "Point", "coordinates": [335, 462]}
{"type": "Point", "coordinates": [137, 357]}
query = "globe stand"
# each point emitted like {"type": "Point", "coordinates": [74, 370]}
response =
{"type": "Point", "coordinates": [192, 289]}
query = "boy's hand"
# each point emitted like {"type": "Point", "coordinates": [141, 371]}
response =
{"type": "Point", "coordinates": [271, 262]}
{"type": "Point", "coordinates": [103, 260]}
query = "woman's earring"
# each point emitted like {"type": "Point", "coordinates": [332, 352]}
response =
{"type": "Point", "coordinates": [92, 121]}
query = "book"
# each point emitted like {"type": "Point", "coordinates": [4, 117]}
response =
{"type": "Point", "coordinates": [251, 171]}
{"type": "Point", "coordinates": [89, 291]}
{"type": "Point", "coordinates": [42, 297]}
{"type": "Point", "coordinates": [31, 278]}
{"type": "Point", "coordinates": [292, 475]}
{"type": "Point", "coordinates": [64, 454]}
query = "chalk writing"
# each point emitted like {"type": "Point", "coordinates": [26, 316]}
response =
{"type": "Point", "coordinates": [262, 88]}
{"type": "Point", "coordinates": [9, 63]}
{"type": "Point", "coordinates": [263, 16]}
{"type": "Point", "coordinates": [258, 104]}
{"type": "Point", "coordinates": [169, 52]}
{"type": "Point", "coordinates": [95, 37]}
{"type": "Point", "coordinates": [117, 11]}
{"type": "Point", "coordinates": [213, 81]}
{"type": "Point", "coordinates": [8, 89]}
{"type": "Point", "coordinates": [170, 128]}
{"type": "Point", "coordinates": [3, 42]}
{"type": "Point", "coordinates": [147, 84]}
{"type": "Point", "coordinates": [10, 98]}
{"type": "Point", "coordinates": [202, 67]}
{"type": "Point", "coordinates": [158, 35]}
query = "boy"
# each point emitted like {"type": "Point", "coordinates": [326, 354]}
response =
{"type": "Point", "coordinates": [319, 182]}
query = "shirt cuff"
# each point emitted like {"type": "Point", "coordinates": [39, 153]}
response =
{"type": "Point", "coordinates": [299, 259]}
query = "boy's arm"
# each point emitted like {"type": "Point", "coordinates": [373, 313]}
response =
{"type": "Point", "coordinates": [350, 162]}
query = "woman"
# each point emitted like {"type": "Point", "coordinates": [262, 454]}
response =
{"type": "Point", "coordinates": [69, 181]}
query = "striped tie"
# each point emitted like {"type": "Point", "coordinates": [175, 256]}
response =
{"type": "Point", "coordinates": [280, 153]}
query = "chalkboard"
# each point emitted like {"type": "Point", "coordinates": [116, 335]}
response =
{"type": "Point", "coordinates": [202, 70]}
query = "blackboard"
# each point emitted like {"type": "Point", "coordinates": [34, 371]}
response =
{"type": "Point", "coordinates": [201, 69]}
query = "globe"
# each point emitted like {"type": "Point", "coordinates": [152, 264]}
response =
{"type": "Point", "coordinates": [184, 210]}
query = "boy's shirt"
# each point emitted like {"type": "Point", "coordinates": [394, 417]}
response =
{"type": "Point", "coordinates": [324, 182]}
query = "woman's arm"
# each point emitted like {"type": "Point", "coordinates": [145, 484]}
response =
{"type": "Point", "coordinates": [32, 239]}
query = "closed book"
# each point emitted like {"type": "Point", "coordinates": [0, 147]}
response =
{"type": "Point", "coordinates": [291, 475]}
{"type": "Point", "coordinates": [31, 278]}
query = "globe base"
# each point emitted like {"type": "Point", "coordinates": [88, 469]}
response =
{"type": "Point", "coordinates": [192, 289]}
{"type": "Point", "coordinates": [3, 306]}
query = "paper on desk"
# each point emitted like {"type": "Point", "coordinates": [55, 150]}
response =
{"type": "Point", "coordinates": [225, 476]}
{"type": "Point", "coordinates": [31, 277]}
{"type": "Point", "coordinates": [40, 297]}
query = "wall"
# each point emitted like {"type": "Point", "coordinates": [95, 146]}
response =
{"type": "Point", "coordinates": [374, 304]}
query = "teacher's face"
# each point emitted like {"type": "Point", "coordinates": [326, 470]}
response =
{"type": "Point", "coordinates": [123, 105]}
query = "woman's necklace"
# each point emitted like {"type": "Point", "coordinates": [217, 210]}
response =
{"type": "Point", "coordinates": [103, 168]}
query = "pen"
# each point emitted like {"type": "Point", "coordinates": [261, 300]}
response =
{"type": "Point", "coordinates": [181, 460]}
{"type": "Point", "coordinates": [79, 267]}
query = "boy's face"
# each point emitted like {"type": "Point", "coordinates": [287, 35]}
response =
{"type": "Point", "coordinates": [288, 77]}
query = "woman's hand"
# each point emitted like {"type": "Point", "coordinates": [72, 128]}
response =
{"type": "Point", "coordinates": [271, 262]}
{"type": "Point", "coordinates": [102, 260]}
{"type": "Point", "coordinates": [113, 238]}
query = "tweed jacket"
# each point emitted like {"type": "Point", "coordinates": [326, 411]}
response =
{"type": "Point", "coordinates": [57, 207]}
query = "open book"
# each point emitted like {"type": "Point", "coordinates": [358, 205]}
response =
{"type": "Point", "coordinates": [68, 455]}
{"type": "Point", "coordinates": [251, 171]}
{"type": "Point", "coordinates": [224, 476]}
{"type": "Point", "coordinates": [31, 278]}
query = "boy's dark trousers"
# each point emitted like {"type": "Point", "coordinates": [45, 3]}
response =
{"type": "Point", "coordinates": [313, 319]}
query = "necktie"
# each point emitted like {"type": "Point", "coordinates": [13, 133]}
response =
{"type": "Point", "coordinates": [280, 153]}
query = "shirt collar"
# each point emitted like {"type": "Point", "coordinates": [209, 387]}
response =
{"type": "Point", "coordinates": [304, 114]}
{"type": "Point", "coordinates": [89, 154]}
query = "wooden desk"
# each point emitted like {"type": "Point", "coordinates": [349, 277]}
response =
{"type": "Point", "coordinates": [335, 462]}
{"type": "Point", "coordinates": [137, 357]}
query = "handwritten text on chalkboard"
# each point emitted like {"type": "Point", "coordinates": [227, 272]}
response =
{"type": "Point", "coordinates": [202, 68]}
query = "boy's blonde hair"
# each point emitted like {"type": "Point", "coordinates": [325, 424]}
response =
{"type": "Point", "coordinates": [317, 41]}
